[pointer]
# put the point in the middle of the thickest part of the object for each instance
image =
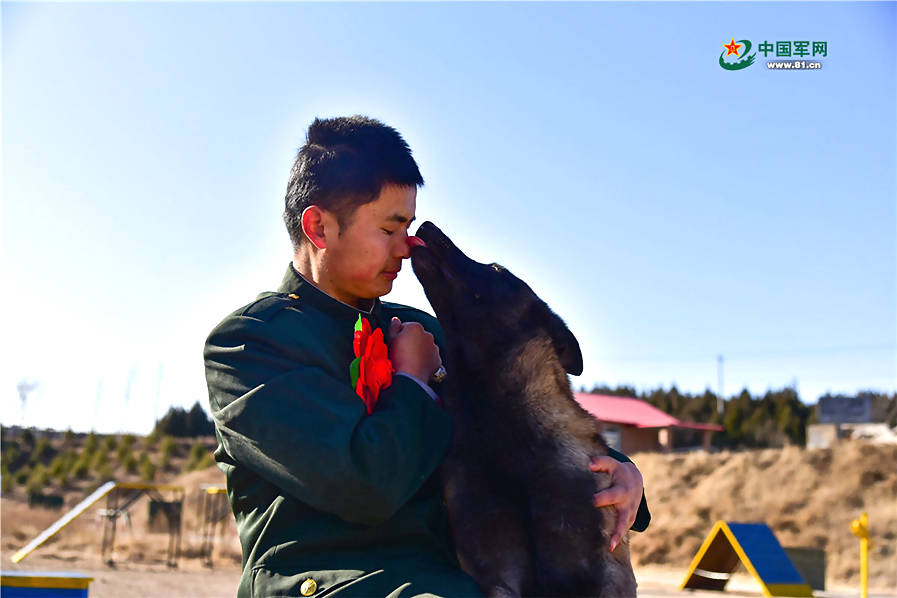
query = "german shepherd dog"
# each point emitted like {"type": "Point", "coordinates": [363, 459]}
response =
{"type": "Point", "coordinates": [516, 480]}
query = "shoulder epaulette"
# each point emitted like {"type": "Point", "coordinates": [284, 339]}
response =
{"type": "Point", "coordinates": [269, 304]}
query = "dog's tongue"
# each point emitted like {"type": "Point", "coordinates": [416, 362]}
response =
{"type": "Point", "coordinates": [416, 242]}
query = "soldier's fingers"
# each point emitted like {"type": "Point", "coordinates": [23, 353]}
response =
{"type": "Point", "coordinates": [416, 325]}
{"type": "Point", "coordinates": [610, 496]}
{"type": "Point", "coordinates": [606, 464]}
{"type": "Point", "coordinates": [395, 325]}
{"type": "Point", "coordinates": [623, 524]}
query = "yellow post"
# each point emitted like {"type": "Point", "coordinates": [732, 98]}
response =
{"type": "Point", "coordinates": [860, 529]}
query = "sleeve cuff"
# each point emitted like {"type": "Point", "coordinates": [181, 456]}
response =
{"type": "Point", "coordinates": [618, 456]}
{"type": "Point", "coordinates": [430, 392]}
{"type": "Point", "coordinates": [642, 517]}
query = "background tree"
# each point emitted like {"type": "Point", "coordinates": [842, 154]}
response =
{"type": "Point", "coordinates": [184, 424]}
{"type": "Point", "coordinates": [774, 419]}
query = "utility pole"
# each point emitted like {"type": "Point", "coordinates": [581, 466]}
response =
{"type": "Point", "coordinates": [158, 394]}
{"type": "Point", "coordinates": [719, 395]}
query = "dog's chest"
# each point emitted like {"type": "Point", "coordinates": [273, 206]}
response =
{"type": "Point", "coordinates": [521, 414]}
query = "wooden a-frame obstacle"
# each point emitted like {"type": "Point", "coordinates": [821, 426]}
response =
{"type": "Point", "coordinates": [214, 507]}
{"type": "Point", "coordinates": [755, 547]}
{"type": "Point", "coordinates": [120, 497]}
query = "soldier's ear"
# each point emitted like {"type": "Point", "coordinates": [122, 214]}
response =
{"type": "Point", "coordinates": [314, 226]}
{"type": "Point", "coordinates": [565, 344]}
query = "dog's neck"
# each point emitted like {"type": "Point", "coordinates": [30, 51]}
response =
{"type": "Point", "coordinates": [537, 367]}
{"type": "Point", "coordinates": [533, 370]}
{"type": "Point", "coordinates": [533, 389]}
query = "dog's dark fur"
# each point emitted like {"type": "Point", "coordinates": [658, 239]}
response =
{"type": "Point", "coordinates": [517, 482]}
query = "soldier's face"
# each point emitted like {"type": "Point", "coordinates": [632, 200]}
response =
{"type": "Point", "coordinates": [365, 258]}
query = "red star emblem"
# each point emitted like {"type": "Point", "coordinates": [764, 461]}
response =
{"type": "Point", "coordinates": [732, 47]}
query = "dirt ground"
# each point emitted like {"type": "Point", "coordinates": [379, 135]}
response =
{"type": "Point", "coordinates": [807, 497]}
{"type": "Point", "coordinates": [136, 580]}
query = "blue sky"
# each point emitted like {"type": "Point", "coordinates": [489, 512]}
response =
{"type": "Point", "coordinates": [667, 209]}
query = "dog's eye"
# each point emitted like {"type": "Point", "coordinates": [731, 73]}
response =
{"type": "Point", "coordinates": [476, 296]}
{"type": "Point", "coordinates": [497, 268]}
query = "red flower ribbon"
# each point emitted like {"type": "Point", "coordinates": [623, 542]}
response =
{"type": "Point", "coordinates": [371, 369]}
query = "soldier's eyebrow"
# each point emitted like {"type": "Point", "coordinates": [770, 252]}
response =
{"type": "Point", "coordinates": [400, 219]}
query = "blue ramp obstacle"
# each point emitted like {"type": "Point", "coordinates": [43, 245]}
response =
{"type": "Point", "coordinates": [754, 546]}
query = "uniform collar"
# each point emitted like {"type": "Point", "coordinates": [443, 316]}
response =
{"type": "Point", "coordinates": [296, 284]}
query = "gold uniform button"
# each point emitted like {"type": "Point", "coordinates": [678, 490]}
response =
{"type": "Point", "coordinates": [309, 587]}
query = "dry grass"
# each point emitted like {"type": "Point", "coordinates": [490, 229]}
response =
{"type": "Point", "coordinates": [807, 497]}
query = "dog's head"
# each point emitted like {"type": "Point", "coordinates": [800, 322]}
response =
{"type": "Point", "coordinates": [485, 302]}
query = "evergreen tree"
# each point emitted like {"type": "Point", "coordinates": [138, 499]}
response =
{"type": "Point", "coordinates": [184, 424]}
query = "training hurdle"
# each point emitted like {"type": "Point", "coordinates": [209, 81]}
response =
{"type": "Point", "coordinates": [43, 584]}
{"type": "Point", "coordinates": [754, 546]}
{"type": "Point", "coordinates": [120, 497]}
{"type": "Point", "coordinates": [129, 493]}
{"type": "Point", "coordinates": [213, 508]}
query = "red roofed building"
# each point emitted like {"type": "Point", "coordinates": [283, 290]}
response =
{"type": "Point", "coordinates": [632, 425]}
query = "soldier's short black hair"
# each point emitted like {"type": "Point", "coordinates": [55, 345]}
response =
{"type": "Point", "coordinates": [344, 164]}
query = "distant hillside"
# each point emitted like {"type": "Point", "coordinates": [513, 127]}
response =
{"type": "Point", "coordinates": [807, 497]}
{"type": "Point", "coordinates": [36, 461]}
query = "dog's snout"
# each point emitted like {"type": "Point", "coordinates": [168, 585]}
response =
{"type": "Point", "coordinates": [435, 238]}
{"type": "Point", "coordinates": [425, 230]}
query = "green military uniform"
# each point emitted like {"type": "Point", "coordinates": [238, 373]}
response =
{"type": "Point", "coordinates": [328, 500]}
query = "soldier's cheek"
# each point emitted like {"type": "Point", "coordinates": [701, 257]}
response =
{"type": "Point", "coordinates": [369, 270]}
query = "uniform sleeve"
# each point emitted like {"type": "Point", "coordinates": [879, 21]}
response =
{"type": "Point", "coordinates": [643, 516]}
{"type": "Point", "coordinates": [308, 433]}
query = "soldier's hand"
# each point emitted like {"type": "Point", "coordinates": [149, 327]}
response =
{"type": "Point", "coordinates": [624, 493]}
{"type": "Point", "coordinates": [412, 350]}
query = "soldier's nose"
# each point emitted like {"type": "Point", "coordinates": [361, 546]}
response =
{"type": "Point", "coordinates": [404, 251]}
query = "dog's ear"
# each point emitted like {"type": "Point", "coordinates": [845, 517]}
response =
{"type": "Point", "coordinates": [565, 343]}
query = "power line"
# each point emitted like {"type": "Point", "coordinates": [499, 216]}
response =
{"type": "Point", "coordinates": [756, 355]}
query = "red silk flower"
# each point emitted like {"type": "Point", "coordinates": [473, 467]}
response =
{"type": "Point", "coordinates": [371, 369]}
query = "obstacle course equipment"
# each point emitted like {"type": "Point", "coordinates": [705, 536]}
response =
{"type": "Point", "coordinates": [43, 584]}
{"type": "Point", "coordinates": [860, 529]}
{"type": "Point", "coordinates": [754, 546]}
{"type": "Point", "coordinates": [64, 520]}
{"type": "Point", "coordinates": [127, 493]}
{"type": "Point", "coordinates": [214, 507]}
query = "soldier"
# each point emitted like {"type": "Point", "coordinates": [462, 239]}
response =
{"type": "Point", "coordinates": [333, 494]}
